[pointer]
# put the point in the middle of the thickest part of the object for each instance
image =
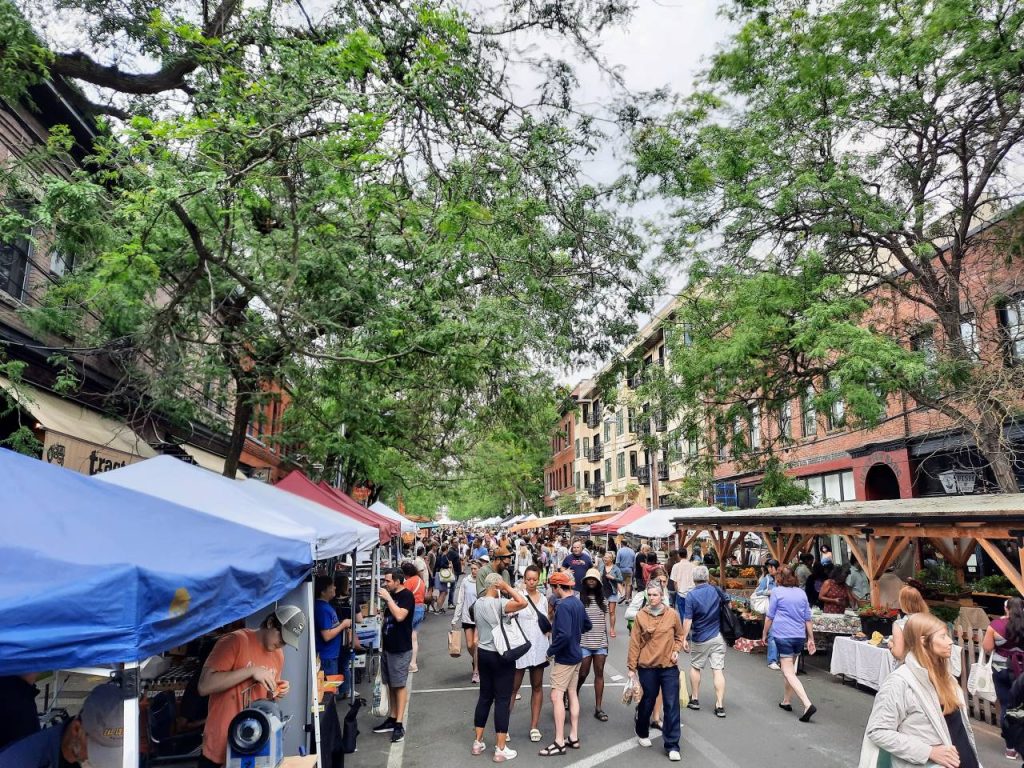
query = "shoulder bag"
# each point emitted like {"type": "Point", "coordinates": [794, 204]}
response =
{"type": "Point", "coordinates": [509, 638]}
{"type": "Point", "coordinates": [728, 620]}
{"type": "Point", "coordinates": [542, 621]}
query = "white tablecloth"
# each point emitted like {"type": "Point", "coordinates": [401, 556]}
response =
{"type": "Point", "coordinates": [867, 664]}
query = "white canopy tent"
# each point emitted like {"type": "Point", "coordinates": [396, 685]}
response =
{"type": "Point", "coordinates": [329, 534]}
{"type": "Point", "coordinates": [408, 526]}
{"type": "Point", "coordinates": [658, 524]}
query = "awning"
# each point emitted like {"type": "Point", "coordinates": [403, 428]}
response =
{"type": "Point", "coordinates": [76, 437]}
{"type": "Point", "coordinates": [296, 482]}
{"type": "Point", "coordinates": [660, 524]}
{"type": "Point", "coordinates": [210, 461]}
{"type": "Point", "coordinates": [570, 520]}
{"type": "Point", "coordinates": [383, 509]}
{"type": "Point", "coordinates": [625, 517]}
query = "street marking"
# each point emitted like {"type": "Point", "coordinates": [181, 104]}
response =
{"type": "Point", "coordinates": [477, 688]}
{"type": "Point", "coordinates": [706, 748]}
{"type": "Point", "coordinates": [616, 677]}
{"type": "Point", "coordinates": [612, 752]}
{"type": "Point", "coordinates": [397, 752]}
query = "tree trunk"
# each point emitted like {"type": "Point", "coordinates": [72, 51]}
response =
{"type": "Point", "coordinates": [993, 447]}
{"type": "Point", "coordinates": [245, 391]}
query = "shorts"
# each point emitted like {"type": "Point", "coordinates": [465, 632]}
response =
{"type": "Point", "coordinates": [564, 676]}
{"type": "Point", "coordinates": [790, 647]}
{"type": "Point", "coordinates": [627, 579]}
{"type": "Point", "coordinates": [394, 668]}
{"type": "Point", "coordinates": [712, 650]}
{"type": "Point", "coordinates": [612, 598]}
{"type": "Point", "coordinates": [467, 625]}
{"type": "Point", "coordinates": [417, 616]}
{"type": "Point", "coordinates": [594, 652]}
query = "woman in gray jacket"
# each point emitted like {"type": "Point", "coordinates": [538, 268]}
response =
{"type": "Point", "coordinates": [919, 716]}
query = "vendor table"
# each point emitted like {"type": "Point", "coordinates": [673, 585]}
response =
{"type": "Point", "coordinates": [867, 664]}
{"type": "Point", "coordinates": [835, 624]}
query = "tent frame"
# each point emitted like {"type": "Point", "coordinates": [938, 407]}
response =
{"type": "Point", "coordinates": [877, 532]}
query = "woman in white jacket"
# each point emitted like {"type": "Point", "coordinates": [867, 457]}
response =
{"type": "Point", "coordinates": [919, 716]}
{"type": "Point", "coordinates": [464, 617]}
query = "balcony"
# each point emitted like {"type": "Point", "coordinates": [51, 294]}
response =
{"type": "Point", "coordinates": [597, 489]}
{"type": "Point", "coordinates": [597, 452]}
{"type": "Point", "coordinates": [636, 380]}
{"type": "Point", "coordinates": [663, 472]}
{"type": "Point", "coordinates": [594, 418]}
{"type": "Point", "coordinates": [643, 426]}
{"type": "Point", "coordinates": [643, 475]}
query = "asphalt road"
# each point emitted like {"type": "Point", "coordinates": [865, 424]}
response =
{"type": "Point", "coordinates": [755, 731]}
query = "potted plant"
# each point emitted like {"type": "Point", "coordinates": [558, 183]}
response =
{"type": "Point", "coordinates": [992, 592]}
{"type": "Point", "coordinates": [874, 619]}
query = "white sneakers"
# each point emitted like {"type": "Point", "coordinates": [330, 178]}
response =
{"type": "Point", "coordinates": [643, 741]}
{"type": "Point", "coordinates": [478, 747]}
{"type": "Point", "coordinates": [501, 755]}
{"type": "Point", "coordinates": [674, 756]}
{"type": "Point", "coordinates": [774, 665]}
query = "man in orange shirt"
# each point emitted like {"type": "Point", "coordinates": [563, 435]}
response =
{"type": "Point", "coordinates": [243, 667]}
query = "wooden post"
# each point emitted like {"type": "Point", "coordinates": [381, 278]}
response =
{"type": "Point", "coordinates": [1004, 565]}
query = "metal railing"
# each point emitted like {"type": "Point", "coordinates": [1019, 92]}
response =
{"type": "Point", "coordinates": [597, 489]}
{"type": "Point", "coordinates": [643, 475]}
{"type": "Point", "coordinates": [597, 452]}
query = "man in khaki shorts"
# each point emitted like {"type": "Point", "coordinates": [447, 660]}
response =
{"type": "Point", "coordinates": [567, 629]}
{"type": "Point", "coordinates": [701, 614]}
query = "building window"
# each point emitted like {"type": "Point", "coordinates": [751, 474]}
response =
{"type": "Point", "coordinates": [586, 448]}
{"type": "Point", "coordinates": [620, 466]}
{"type": "Point", "coordinates": [924, 342]}
{"type": "Point", "coordinates": [578, 486]}
{"type": "Point", "coordinates": [15, 254]}
{"type": "Point", "coordinates": [586, 479]}
{"type": "Point", "coordinates": [810, 414]}
{"type": "Point", "coordinates": [837, 411]}
{"type": "Point", "coordinates": [586, 411]}
{"type": "Point", "coordinates": [723, 444]}
{"type": "Point", "coordinates": [607, 430]}
{"type": "Point", "coordinates": [969, 335]}
{"type": "Point", "coordinates": [608, 469]}
{"type": "Point", "coordinates": [832, 486]}
{"type": "Point", "coordinates": [786, 420]}
{"type": "Point", "coordinates": [1011, 318]}
{"type": "Point", "coordinates": [754, 433]}
{"type": "Point", "coordinates": [692, 445]}
{"type": "Point", "coordinates": [632, 463]}
{"type": "Point", "coordinates": [620, 422]}
{"type": "Point", "coordinates": [631, 414]}
{"type": "Point", "coordinates": [578, 454]}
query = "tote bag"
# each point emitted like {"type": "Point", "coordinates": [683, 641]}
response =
{"type": "Point", "coordinates": [381, 705]}
{"type": "Point", "coordinates": [509, 638]}
{"type": "Point", "coordinates": [980, 682]}
{"type": "Point", "coordinates": [454, 643]}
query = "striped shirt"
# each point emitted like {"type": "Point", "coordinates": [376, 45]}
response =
{"type": "Point", "coordinates": [597, 637]}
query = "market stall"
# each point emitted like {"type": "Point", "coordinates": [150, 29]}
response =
{"type": "Point", "coordinates": [612, 525]}
{"type": "Point", "coordinates": [94, 574]}
{"type": "Point", "coordinates": [297, 483]}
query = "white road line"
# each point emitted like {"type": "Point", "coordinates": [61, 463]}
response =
{"type": "Point", "coordinates": [710, 751]}
{"type": "Point", "coordinates": [612, 752]}
{"type": "Point", "coordinates": [477, 688]}
{"type": "Point", "coordinates": [397, 752]}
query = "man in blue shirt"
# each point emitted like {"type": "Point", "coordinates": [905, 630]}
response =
{"type": "Point", "coordinates": [624, 559]}
{"type": "Point", "coordinates": [579, 563]}
{"type": "Point", "coordinates": [567, 629]}
{"type": "Point", "coordinates": [702, 616]}
{"type": "Point", "coordinates": [328, 627]}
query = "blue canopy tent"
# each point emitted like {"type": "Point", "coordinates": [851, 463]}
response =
{"type": "Point", "coordinates": [91, 573]}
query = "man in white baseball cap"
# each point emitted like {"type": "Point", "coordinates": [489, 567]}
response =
{"type": "Point", "coordinates": [94, 739]}
{"type": "Point", "coordinates": [245, 666]}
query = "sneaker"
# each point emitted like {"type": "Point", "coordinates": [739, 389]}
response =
{"type": "Point", "coordinates": [475, 678]}
{"type": "Point", "coordinates": [501, 755]}
{"type": "Point", "coordinates": [694, 705]}
{"type": "Point", "coordinates": [643, 741]}
{"type": "Point", "coordinates": [719, 711]}
{"type": "Point", "coordinates": [774, 665]}
{"type": "Point", "coordinates": [478, 748]}
{"type": "Point", "coordinates": [1011, 754]}
{"type": "Point", "coordinates": [398, 734]}
{"type": "Point", "coordinates": [674, 756]}
{"type": "Point", "coordinates": [387, 726]}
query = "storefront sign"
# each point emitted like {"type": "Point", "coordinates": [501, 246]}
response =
{"type": "Point", "coordinates": [83, 457]}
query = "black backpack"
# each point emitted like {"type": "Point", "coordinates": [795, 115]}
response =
{"type": "Point", "coordinates": [729, 621]}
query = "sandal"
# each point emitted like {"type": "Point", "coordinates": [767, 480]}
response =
{"type": "Point", "coordinates": [600, 715]}
{"type": "Point", "coordinates": [657, 725]}
{"type": "Point", "coordinates": [574, 743]}
{"type": "Point", "coordinates": [535, 735]}
{"type": "Point", "coordinates": [554, 748]}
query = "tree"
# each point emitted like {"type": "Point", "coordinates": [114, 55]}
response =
{"type": "Point", "coordinates": [846, 166]}
{"type": "Point", "coordinates": [307, 200]}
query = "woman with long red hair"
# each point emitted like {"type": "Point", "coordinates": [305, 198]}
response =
{"type": "Point", "coordinates": [919, 715]}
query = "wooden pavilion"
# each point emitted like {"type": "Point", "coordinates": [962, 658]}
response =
{"type": "Point", "coordinates": [876, 532]}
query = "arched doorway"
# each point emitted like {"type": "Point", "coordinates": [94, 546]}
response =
{"type": "Point", "coordinates": [881, 483]}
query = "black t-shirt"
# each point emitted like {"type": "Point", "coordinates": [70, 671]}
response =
{"type": "Point", "coordinates": [398, 634]}
{"type": "Point", "coordinates": [18, 716]}
{"type": "Point", "coordinates": [456, 561]}
{"type": "Point", "coordinates": [962, 742]}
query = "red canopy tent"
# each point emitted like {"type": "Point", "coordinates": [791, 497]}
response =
{"type": "Point", "coordinates": [395, 526]}
{"type": "Point", "coordinates": [625, 517]}
{"type": "Point", "coordinates": [297, 483]}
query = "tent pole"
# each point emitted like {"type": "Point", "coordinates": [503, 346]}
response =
{"type": "Point", "coordinates": [350, 672]}
{"type": "Point", "coordinates": [314, 692]}
{"type": "Point", "coordinates": [130, 751]}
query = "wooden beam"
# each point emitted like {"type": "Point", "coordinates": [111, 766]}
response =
{"type": "Point", "coordinates": [795, 541]}
{"type": "Point", "coordinates": [893, 549]}
{"type": "Point", "coordinates": [1004, 565]}
{"type": "Point", "coordinates": [774, 547]}
{"type": "Point", "coordinates": [852, 545]}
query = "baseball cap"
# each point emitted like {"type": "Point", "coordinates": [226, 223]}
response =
{"type": "Point", "coordinates": [102, 719]}
{"type": "Point", "coordinates": [293, 623]}
{"type": "Point", "coordinates": [561, 579]}
{"type": "Point", "coordinates": [484, 559]}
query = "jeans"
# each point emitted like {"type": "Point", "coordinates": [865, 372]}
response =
{"type": "Point", "coordinates": [773, 649]}
{"type": "Point", "coordinates": [496, 678]}
{"type": "Point", "coordinates": [681, 606]}
{"type": "Point", "coordinates": [667, 680]}
{"type": "Point", "coordinates": [1003, 678]}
